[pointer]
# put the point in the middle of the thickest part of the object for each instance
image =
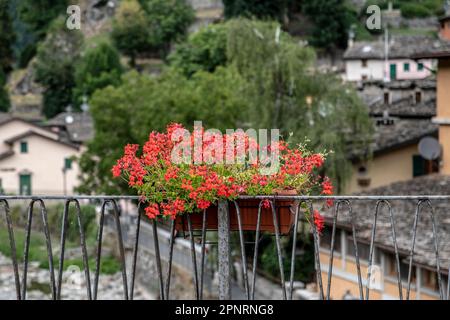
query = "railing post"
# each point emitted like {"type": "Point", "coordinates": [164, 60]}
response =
{"type": "Point", "coordinates": [224, 251]}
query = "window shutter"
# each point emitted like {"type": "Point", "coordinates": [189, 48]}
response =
{"type": "Point", "coordinates": [418, 166]}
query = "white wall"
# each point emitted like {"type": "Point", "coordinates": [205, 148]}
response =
{"type": "Point", "coordinates": [375, 69]}
{"type": "Point", "coordinates": [413, 72]}
{"type": "Point", "coordinates": [355, 70]}
{"type": "Point", "coordinates": [17, 127]}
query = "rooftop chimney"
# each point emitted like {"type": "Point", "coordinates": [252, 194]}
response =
{"type": "Point", "coordinates": [443, 111]}
{"type": "Point", "coordinates": [351, 36]}
{"type": "Point", "coordinates": [390, 6]}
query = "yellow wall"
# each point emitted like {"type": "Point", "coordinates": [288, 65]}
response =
{"type": "Point", "coordinates": [385, 169]}
{"type": "Point", "coordinates": [443, 111]}
{"type": "Point", "coordinates": [340, 284]}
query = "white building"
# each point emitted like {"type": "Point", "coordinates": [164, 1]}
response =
{"type": "Point", "coordinates": [37, 159]}
{"type": "Point", "coordinates": [365, 61]}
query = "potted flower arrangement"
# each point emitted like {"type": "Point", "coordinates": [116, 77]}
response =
{"type": "Point", "coordinates": [175, 179]}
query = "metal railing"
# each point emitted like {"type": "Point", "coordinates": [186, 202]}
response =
{"type": "Point", "coordinates": [303, 204]}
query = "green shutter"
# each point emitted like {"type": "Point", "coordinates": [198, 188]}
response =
{"type": "Point", "coordinates": [25, 184]}
{"type": "Point", "coordinates": [393, 71]}
{"type": "Point", "coordinates": [418, 166]}
{"type": "Point", "coordinates": [23, 147]}
{"type": "Point", "coordinates": [406, 67]}
{"type": "Point", "coordinates": [67, 163]}
{"type": "Point", "coordinates": [420, 67]}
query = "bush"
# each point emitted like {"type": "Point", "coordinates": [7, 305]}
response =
{"type": "Point", "coordinates": [255, 8]}
{"type": "Point", "coordinates": [204, 50]}
{"type": "Point", "coordinates": [150, 26]}
{"type": "Point", "coordinates": [414, 10]}
{"type": "Point", "coordinates": [88, 214]}
{"type": "Point", "coordinates": [304, 265]}
{"type": "Point", "coordinates": [130, 29]}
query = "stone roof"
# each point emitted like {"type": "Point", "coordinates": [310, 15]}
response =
{"type": "Point", "coordinates": [79, 131]}
{"type": "Point", "coordinates": [392, 133]}
{"type": "Point", "coordinates": [399, 47]}
{"type": "Point", "coordinates": [403, 213]}
{"type": "Point", "coordinates": [404, 108]}
{"type": "Point", "coordinates": [6, 154]}
{"type": "Point", "coordinates": [445, 18]}
{"type": "Point", "coordinates": [438, 48]}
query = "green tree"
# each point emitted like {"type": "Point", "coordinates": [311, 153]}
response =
{"type": "Point", "coordinates": [99, 67]}
{"type": "Point", "coordinates": [127, 114]}
{"type": "Point", "coordinates": [203, 50]}
{"type": "Point", "coordinates": [7, 37]}
{"type": "Point", "coordinates": [54, 66]}
{"type": "Point", "coordinates": [267, 81]}
{"type": "Point", "coordinates": [38, 15]}
{"type": "Point", "coordinates": [287, 93]}
{"type": "Point", "coordinates": [168, 22]}
{"type": "Point", "coordinates": [332, 20]}
{"type": "Point", "coordinates": [4, 97]}
{"type": "Point", "coordinates": [255, 8]}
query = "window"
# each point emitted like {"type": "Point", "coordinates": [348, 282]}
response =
{"type": "Point", "coordinates": [363, 179]}
{"type": "Point", "coordinates": [390, 265]}
{"type": "Point", "coordinates": [387, 97]}
{"type": "Point", "coordinates": [406, 67]}
{"type": "Point", "coordinates": [420, 67]}
{"type": "Point", "coordinates": [23, 147]}
{"type": "Point", "coordinates": [391, 268]}
{"type": "Point", "coordinates": [418, 165]}
{"type": "Point", "coordinates": [430, 280]}
{"type": "Point", "coordinates": [67, 163]}
{"type": "Point", "coordinates": [364, 63]}
{"type": "Point", "coordinates": [404, 270]}
{"type": "Point", "coordinates": [325, 239]}
{"type": "Point", "coordinates": [363, 249]}
{"type": "Point", "coordinates": [422, 166]}
{"type": "Point", "coordinates": [418, 97]}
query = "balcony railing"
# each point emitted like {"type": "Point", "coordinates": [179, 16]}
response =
{"type": "Point", "coordinates": [345, 208]}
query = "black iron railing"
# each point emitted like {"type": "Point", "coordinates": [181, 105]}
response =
{"type": "Point", "coordinates": [342, 206]}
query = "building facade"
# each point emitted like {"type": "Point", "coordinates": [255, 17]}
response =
{"type": "Point", "coordinates": [37, 159]}
{"type": "Point", "coordinates": [366, 61]}
{"type": "Point", "coordinates": [395, 164]}
{"type": "Point", "coordinates": [402, 114]}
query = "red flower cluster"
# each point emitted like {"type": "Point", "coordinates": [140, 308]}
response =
{"type": "Point", "coordinates": [319, 221]}
{"type": "Point", "coordinates": [266, 204]}
{"type": "Point", "coordinates": [130, 163]}
{"type": "Point", "coordinates": [171, 187]}
{"type": "Point", "coordinates": [327, 189]}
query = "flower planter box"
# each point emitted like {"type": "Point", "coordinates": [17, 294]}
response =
{"type": "Point", "coordinates": [170, 185]}
{"type": "Point", "coordinates": [249, 217]}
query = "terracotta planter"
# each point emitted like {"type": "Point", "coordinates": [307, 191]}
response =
{"type": "Point", "coordinates": [249, 217]}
